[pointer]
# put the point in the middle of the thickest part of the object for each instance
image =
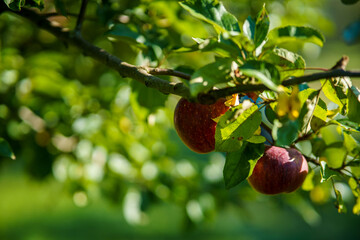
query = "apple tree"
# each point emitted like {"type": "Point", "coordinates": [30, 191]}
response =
{"type": "Point", "coordinates": [89, 90]}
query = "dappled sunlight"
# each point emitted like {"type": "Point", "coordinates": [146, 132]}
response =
{"type": "Point", "coordinates": [89, 145]}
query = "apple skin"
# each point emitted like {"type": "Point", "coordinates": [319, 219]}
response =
{"type": "Point", "coordinates": [195, 125]}
{"type": "Point", "coordinates": [279, 170]}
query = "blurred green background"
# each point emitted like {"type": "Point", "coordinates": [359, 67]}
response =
{"type": "Point", "coordinates": [97, 155]}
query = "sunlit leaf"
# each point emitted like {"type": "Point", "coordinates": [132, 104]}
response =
{"type": "Point", "coordinates": [240, 164]}
{"type": "Point", "coordinates": [211, 45]}
{"type": "Point", "coordinates": [326, 172]}
{"type": "Point", "coordinates": [354, 186]}
{"type": "Point", "coordinates": [351, 145]}
{"type": "Point", "coordinates": [262, 25]}
{"type": "Point", "coordinates": [308, 184]}
{"type": "Point", "coordinates": [356, 208]}
{"type": "Point", "coordinates": [16, 5]}
{"type": "Point", "coordinates": [286, 34]}
{"type": "Point", "coordinates": [257, 29]}
{"type": "Point", "coordinates": [290, 63]}
{"type": "Point", "coordinates": [235, 126]}
{"type": "Point", "coordinates": [213, 12]}
{"type": "Point", "coordinates": [353, 106]}
{"type": "Point", "coordinates": [312, 105]}
{"type": "Point", "coordinates": [339, 204]}
{"type": "Point", "coordinates": [208, 76]}
{"type": "Point", "coordinates": [335, 156]}
{"type": "Point", "coordinates": [335, 91]}
{"type": "Point", "coordinates": [249, 29]}
{"type": "Point", "coordinates": [242, 41]}
{"type": "Point", "coordinates": [262, 71]}
{"type": "Point", "coordinates": [257, 139]}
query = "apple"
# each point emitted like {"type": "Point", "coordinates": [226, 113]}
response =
{"type": "Point", "coordinates": [279, 170]}
{"type": "Point", "coordinates": [195, 123]}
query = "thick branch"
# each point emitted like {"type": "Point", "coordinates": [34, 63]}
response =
{"type": "Point", "coordinates": [212, 95]}
{"type": "Point", "coordinates": [147, 75]}
{"type": "Point", "coordinates": [168, 72]}
{"type": "Point", "coordinates": [125, 69]}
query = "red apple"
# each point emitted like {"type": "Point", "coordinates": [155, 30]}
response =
{"type": "Point", "coordinates": [195, 125]}
{"type": "Point", "coordinates": [279, 170]}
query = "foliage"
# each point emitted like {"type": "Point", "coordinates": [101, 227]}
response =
{"type": "Point", "coordinates": [98, 133]}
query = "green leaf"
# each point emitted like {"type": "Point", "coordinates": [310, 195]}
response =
{"type": "Point", "coordinates": [123, 33]}
{"type": "Point", "coordinates": [257, 139]}
{"type": "Point", "coordinates": [287, 34]}
{"type": "Point", "coordinates": [318, 146]}
{"type": "Point", "coordinates": [16, 5]}
{"type": "Point", "coordinates": [235, 126]}
{"type": "Point", "coordinates": [257, 29]}
{"type": "Point", "coordinates": [353, 106]}
{"type": "Point", "coordinates": [312, 106]}
{"type": "Point", "coordinates": [334, 90]}
{"type": "Point", "coordinates": [290, 63]}
{"type": "Point", "coordinates": [335, 156]}
{"type": "Point", "coordinates": [147, 97]}
{"type": "Point", "coordinates": [212, 12]}
{"type": "Point", "coordinates": [242, 41]}
{"type": "Point", "coordinates": [240, 164]}
{"type": "Point", "coordinates": [346, 124]}
{"type": "Point", "coordinates": [285, 133]}
{"type": "Point", "coordinates": [354, 186]}
{"type": "Point", "coordinates": [351, 145]}
{"type": "Point", "coordinates": [5, 149]}
{"type": "Point", "coordinates": [35, 3]}
{"type": "Point", "coordinates": [262, 71]}
{"type": "Point", "coordinates": [339, 204]}
{"type": "Point", "coordinates": [308, 183]}
{"type": "Point", "coordinates": [249, 28]}
{"type": "Point", "coordinates": [208, 76]}
{"type": "Point", "coordinates": [261, 27]}
{"type": "Point", "coordinates": [356, 208]}
{"type": "Point", "coordinates": [211, 45]}
{"type": "Point", "coordinates": [325, 172]}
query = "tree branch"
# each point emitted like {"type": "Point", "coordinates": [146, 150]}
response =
{"type": "Point", "coordinates": [125, 69]}
{"type": "Point", "coordinates": [81, 16]}
{"type": "Point", "coordinates": [147, 76]}
{"type": "Point", "coordinates": [213, 95]}
{"type": "Point", "coordinates": [168, 72]}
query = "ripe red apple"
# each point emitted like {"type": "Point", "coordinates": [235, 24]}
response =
{"type": "Point", "coordinates": [195, 125]}
{"type": "Point", "coordinates": [279, 170]}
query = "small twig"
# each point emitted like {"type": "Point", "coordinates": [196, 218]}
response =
{"type": "Point", "coordinates": [305, 69]}
{"type": "Point", "coordinates": [168, 72]}
{"type": "Point", "coordinates": [81, 16]}
{"type": "Point", "coordinates": [312, 160]}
